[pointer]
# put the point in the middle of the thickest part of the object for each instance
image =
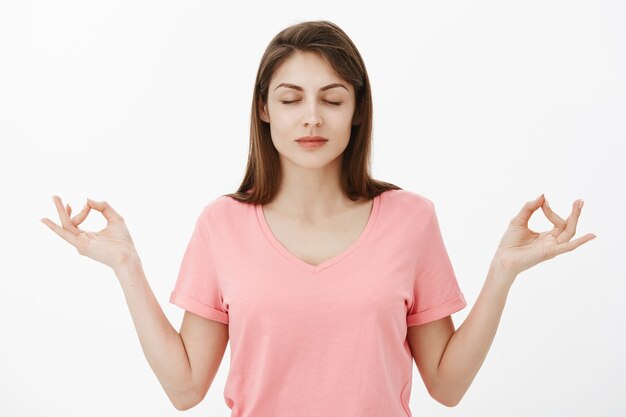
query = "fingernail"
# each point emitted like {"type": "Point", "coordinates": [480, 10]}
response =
{"type": "Point", "coordinates": [547, 205]}
{"type": "Point", "coordinates": [539, 198]}
{"type": "Point", "coordinates": [581, 203]}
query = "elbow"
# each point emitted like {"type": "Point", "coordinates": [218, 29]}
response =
{"type": "Point", "coordinates": [448, 397]}
{"type": "Point", "coordinates": [186, 402]}
{"type": "Point", "coordinates": [180, 406]}
{"type": "Point", "coordinates": [448, 402]}
{"type": "Point", "coordinates": [184, 406]}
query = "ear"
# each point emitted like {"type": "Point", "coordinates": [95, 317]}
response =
{"type": "Point", "coordinates": [263, 111]}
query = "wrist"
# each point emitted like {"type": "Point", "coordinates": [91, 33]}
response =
{"type": "Point", "coordinates": [498, 270]}
{"type": "Point", "coordinates": [132, 265]}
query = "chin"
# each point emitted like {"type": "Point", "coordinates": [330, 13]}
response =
{"type": "Point", "coordinates": [310, 161]}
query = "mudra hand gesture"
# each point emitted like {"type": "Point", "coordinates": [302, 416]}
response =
{"type": "Point", "coordinates": [521, 248]}
{"type": "Point", "coordinates": [111, 246]}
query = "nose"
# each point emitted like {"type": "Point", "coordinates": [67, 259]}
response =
{"type": "Point", "coordinates": [311, 123]}
{"type": "Point", "coordinates": [312, 116]}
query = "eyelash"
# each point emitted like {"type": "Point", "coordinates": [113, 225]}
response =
{"type": "Point", "coordinates": [334, 103]}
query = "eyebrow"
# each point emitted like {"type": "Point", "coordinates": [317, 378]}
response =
{"type": "Point", "coordinates": [297, 87]}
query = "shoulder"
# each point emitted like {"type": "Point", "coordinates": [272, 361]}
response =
{"type": "Point", "coordinates": [403, 202]}
{"type": "Point", "coordinates": [223, 208]}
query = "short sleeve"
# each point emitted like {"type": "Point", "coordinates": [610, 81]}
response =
{"type": "Point", "coordinates": [436, 293]}
{"type": "Point", "coordinates": [197, 288]}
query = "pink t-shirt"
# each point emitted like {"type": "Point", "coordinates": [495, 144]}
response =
{"type": "Point", "coordinates": [325, 340]}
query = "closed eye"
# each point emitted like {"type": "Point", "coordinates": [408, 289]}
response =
{"type": "Point", "coordinates": [334, 103]}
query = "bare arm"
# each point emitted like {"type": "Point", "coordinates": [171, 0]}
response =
{"type": "Point", "coordinates": [161, 343]}
{"type": "Point", "coordinates": [449, 360]}
{"type": "Point", "coordinates": [186, 363]}
{"type": "Point", "coordinates": [468, 346]}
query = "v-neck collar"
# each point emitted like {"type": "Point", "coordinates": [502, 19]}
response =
{"type": "Point", "coordinates": [329, 262]}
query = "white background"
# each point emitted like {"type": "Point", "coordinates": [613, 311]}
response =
{"type": "Point", "coordinates": [478, 105]}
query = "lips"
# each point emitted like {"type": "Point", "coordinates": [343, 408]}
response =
{"type": "Point", "coordinates": [311, 139]}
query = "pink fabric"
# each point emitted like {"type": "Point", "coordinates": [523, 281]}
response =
{"type": "Point", "coordinates": [325, 340]}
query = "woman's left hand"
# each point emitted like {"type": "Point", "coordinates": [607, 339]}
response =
{"type": "Point", "coordinates": [521, 248]}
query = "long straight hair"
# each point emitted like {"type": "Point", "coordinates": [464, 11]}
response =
{"type": "Point", "coordinates": [261, 180]}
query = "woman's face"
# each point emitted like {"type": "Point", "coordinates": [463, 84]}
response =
{"type": "Point", "coordinates": [315, 102]}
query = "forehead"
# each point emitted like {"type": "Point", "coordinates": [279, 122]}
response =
{"type": "Point", "coordinates": [307, 70]}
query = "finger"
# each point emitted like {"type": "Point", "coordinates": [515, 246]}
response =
{"type": "Point", "coordinates": [64, 233]}
{"type": "Point", "coordinates": [80, 217]}
{"type": "Point", "coordinates": [572, 222]}
{"type": "Point", "coordinates": [105, 209]}
{"type": "Point", "coordinates": [68, 209]}
{"type": "Point", "coordinates": [65, 220]}
{"type": "Point", "coordinates": [555, 219]}
{"type": "Point", "coordinates": [527, 210]}
{"type": "Point", "coordinates": [569, 246]}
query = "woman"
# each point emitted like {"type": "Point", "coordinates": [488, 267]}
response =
{"type": "Point", "coordinates": [327, 283]}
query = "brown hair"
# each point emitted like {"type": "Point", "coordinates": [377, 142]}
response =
{"type": "Point", "coordinates": [260, 181]}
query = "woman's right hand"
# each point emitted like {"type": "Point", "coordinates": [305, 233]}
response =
{"type": "Point", "coordinates": [111, 246]}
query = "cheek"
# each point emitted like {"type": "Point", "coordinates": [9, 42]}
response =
{"type": "Point", "coordinates": [282, 132]}
{"type": "Point", "coordinates": [338, 119]}
{"type": "Point", "coordinates": [286, 120]}
{"type": "Point", "coordinates": [282, 127]}
{"type": "Point", "coordinates": [283, 118]}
